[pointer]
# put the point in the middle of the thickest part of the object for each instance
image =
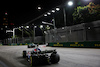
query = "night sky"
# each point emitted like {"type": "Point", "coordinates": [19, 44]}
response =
{"type": "Point", "coordinates": [21, 12]}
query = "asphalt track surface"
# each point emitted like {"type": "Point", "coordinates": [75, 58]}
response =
{"type": "Point", "coordinates": [11, 56]}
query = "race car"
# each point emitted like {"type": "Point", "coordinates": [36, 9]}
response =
{"type": "Point", "coordinates": [31, 45]}
{"type": "Point", "coordinates": [38, 57]}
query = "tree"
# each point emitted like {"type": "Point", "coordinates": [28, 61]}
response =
{"type": "Point", "coordinates": [88, 13]}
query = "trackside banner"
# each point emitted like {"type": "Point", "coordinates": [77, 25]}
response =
{"type": "Point", "coordinates": [92, 44]}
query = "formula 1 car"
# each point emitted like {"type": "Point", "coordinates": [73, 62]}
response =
{"type": "Point", "coordinates": [31, 45]}
{"type": "Point", "coordinates": [38, 57]}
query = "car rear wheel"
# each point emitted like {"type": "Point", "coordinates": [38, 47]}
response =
{"type": "Point", "coordinates": [24, 54]}
{"type": "Point", "coordinates": [34, 60]}
{"type": "Point", "coordinates": [55, 58]}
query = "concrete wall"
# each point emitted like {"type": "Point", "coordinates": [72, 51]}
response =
{"type": "Point", "coordinates": [93, 31]}
{"type": "Point", "coordinates": [77, 33]}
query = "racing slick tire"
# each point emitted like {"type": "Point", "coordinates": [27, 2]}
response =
{"type": "Point", "coordinates": [55, 58]}
{"type": "Point", "coordinates": [34, 60]}
{"type": "Point", "coordinates": [24, 54]}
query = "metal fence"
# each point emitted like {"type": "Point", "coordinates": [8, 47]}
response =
{"type": "Point", "coordinates": [38, 39]}
{"type": "Point", "coordinates": [77, 33]}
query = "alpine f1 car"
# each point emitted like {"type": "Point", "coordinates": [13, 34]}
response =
{"type": "Point", "coordinates": [31, 45]}
{"type": "Point", "coordinates": [38, 57]}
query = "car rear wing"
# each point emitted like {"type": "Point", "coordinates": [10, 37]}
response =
{"type": "Point", "coordinates": [46, 51]}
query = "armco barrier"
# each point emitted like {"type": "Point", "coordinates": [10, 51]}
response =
{"type": "Point", "coordinates": [15, 44]}
{"type": "Point", "coordinates": [89, 44]}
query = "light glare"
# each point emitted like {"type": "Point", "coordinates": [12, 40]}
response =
{"type": "Point", "coordinates": [70, 3]}
{"type": "Point", "coordinates": [27, 26]}
{"type": "Point", "coordinates": [57, 9]}
{"type": "Point", "coordinates": [35, 26]}
{"type": "Point", "coordinates": [49, 13]}
{"type": "Point", "coordinates": [39, 8]}
{"type": "Point", "coordinates": [45, 14]}
{"type": "Point", "coordinates": [41, 26]}
{"type": "Point", "coordinates": [53, 11]}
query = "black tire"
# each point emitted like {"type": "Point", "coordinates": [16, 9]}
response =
{"type": "Point", "coordinates": [24, 54]}
{"type": "Point", "coordinates": [55, 58]}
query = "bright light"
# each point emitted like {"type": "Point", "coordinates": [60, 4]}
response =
{"type": "Point", "coordinates": [57, 9]}
{"type": "Point", "coordinates": [35, 26]}
{"type": "Point", "coordinates": [27, 26]}
{"type": "Point", "coordinates": [70, 3]}
{"type": "Point", "coordinates": [39, 8]}
{"type": "Point", "coordinates": [49, 13]}
{"type": "Point", "coordinates": [53, 11]}
{"type": "Point", "coordinates": [41, 26]}
{"type": "Point", "coordinates": [45, 14]}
